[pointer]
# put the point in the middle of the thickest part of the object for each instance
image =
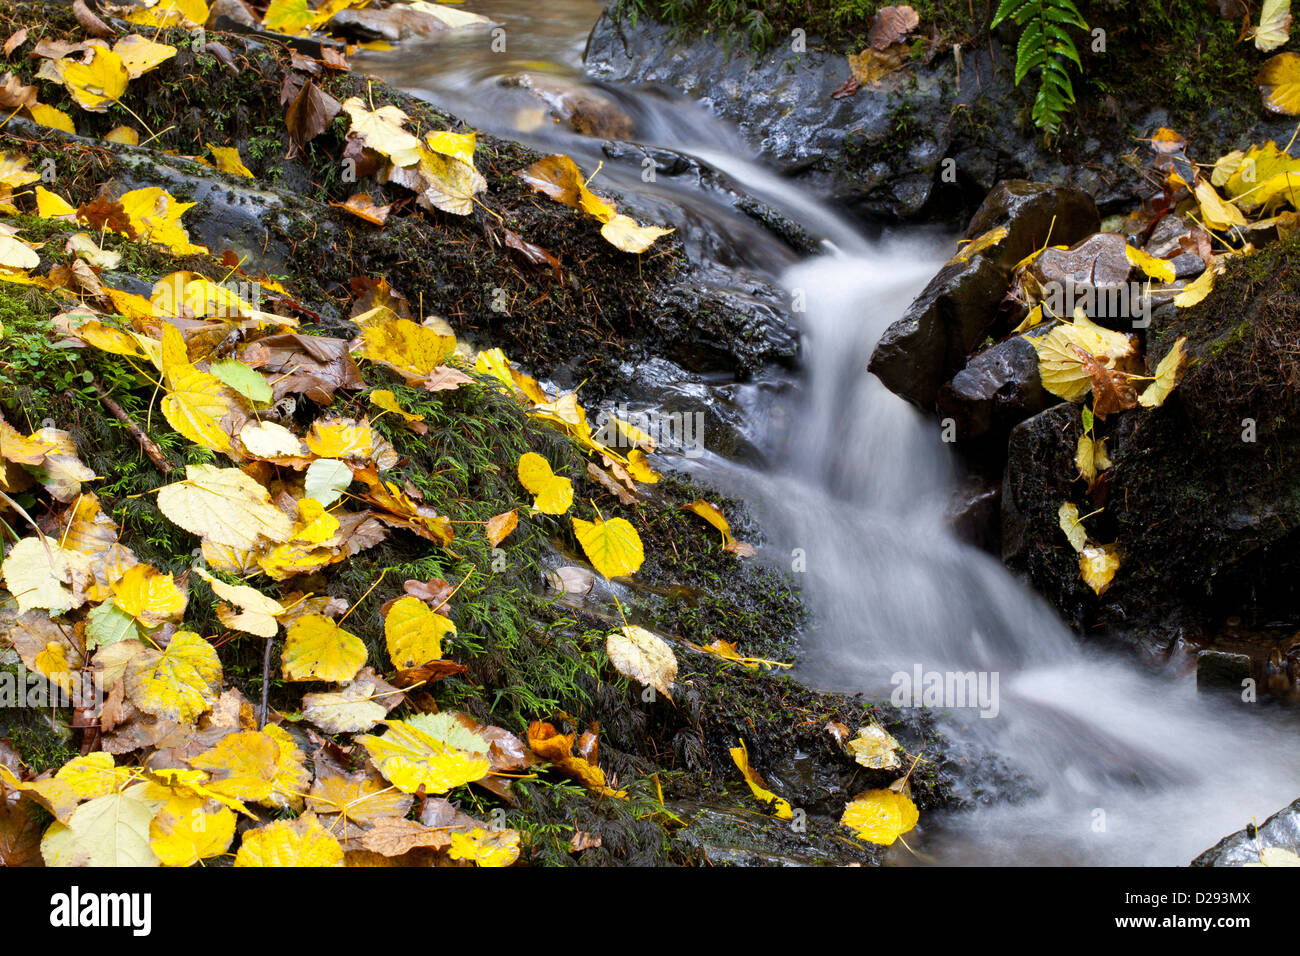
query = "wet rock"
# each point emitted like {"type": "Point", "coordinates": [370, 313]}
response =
{"type": "Point", "coordinates": [734, 836]}
{"type": "Point", "coordinates": [583, 109]}
{"type": "Point", "coordinates": [1092, 273]}
{"type": "Point", "coordinates": [936, 334]}
{"type": "Point", "coordinates": [233, 10]}
{"type": "Point", "coordinates": [1281, 831]}
{"type": "Point", "coordinates": [1221, 669]}
{"type": "Point", "coordinates": [393, 24]}
{"type": "Point", "coordinates": [974, 513]}
{"type": "Point", "coordinates": [1036, 213]}
{"type": "Point", "coordinates": [999, 388]}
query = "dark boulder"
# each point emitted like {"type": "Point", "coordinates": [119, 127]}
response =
{"type": "Point", "coordinates": [999, 388]}
{"type": "Point", "coordinates": [937, 333]}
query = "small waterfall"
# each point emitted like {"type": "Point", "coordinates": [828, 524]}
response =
{"type": "Point", "coordinates": [1106, 764]}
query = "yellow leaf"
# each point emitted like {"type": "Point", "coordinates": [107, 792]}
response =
{"type": "Point", "coordinates": [228, 161]}
{"type": "Point", "coordinates": [1196, 290]}
{"type": "Point", "coordinates": [179, 683]}
{"type": "Point", "coordinates": [1159, 269]}
{"type": "Point", "coordinates": [741, 757]}
{"type": "Point", "coordinates": [414, 633]}
{"type": "Point", "coordinates": [287, 16]}
{"type": "Point", "coordinates": [112, 830]}
{"type": "Point", "coordinates": [226, 506]}
{"type": "Point", "coordinates": [302, 842]}
{"type": "Point", "coordinates": [340, 438]}
{"type": "Point", "coordinates": [124, 135]}
{"type": "Point", "coordinates": [613, 547]}
{"type": "Point", "coordinates": [14, 171]}
{"type": "Point", "coordinates": [38, 574]}
{"type": "Point", "coordinates": [315, 648]}
{"type": "Point", "coordinates": [16, 254]}
{"type": "Point", "coordinates": [638, 466]}
{"type": "Point", "coordinates": [96, 85]}
{"type": "Point", "coordinates": [242, 765]}
{"type": "Point", "coordinates": [880, 816]}
{"type": "Point", "coordinates": [1067, 516]}
{"type": "Point", "coordinates": [1061, 370]}
{"type": "Point", "coordinates": [383, 398]}
{"type": "Point", "coordinates": [626, 234]}
{"type": "Point", "coordinates": [382, 130]}
{"type": "Point", "coordinates": [557, 748]}
{"type": "Point", "coordinates": [45, 115]}
{"type": "Point", "coordinates": [149, 596]}
{"type": "Point", "coordinates": [257, 611]}
{"type": "Point", "coordinates": [186, 831]}
{"type": "Point", "coordinates": [874, 748]}
{"type": "Point", "coordinates": [269, 440]}
{"type": "Point", "coordinates": [139, 55]}
{"type": "Point", "coordinates": [199, 405]}
{"type": "Point", "coordinates": [410, 758]}
{"type": "Point", "coordinates": [500, 526]}
{"type": "Point", "coordinates": [441, 182]}
{"type": "Point", "coordinates": [1098, 564]}
{"type": "Point", "coordinates": [485, 847]}
{"type": "Point", "coordinates": [171, 13]}
{"type": "Point", "coordinates": [52, 206]}
{"type": "Point", "coordinates": [644, 657]}
{"type": "Point", "coordinates": [980, 243]}
{"type": "Point", "coordinates": [712, 515]}
{"type": "Point", "coordinates": [558, 177]}
{"type": "Point", "coordinates": [456, 145]}
{"type": "Point", "coordinates": [1166, 378]}
{"type": "Point", "coordinates": [155, 215]}
{"type": "Point", "coordinates": [291, 775]}
{"type": "Point", "coordinates": [1217, 212]}
{"type": "Point", "coordinates": [554, 493]}
{"type": "Point", "coordinates": [1274, 25]}
{"type": "Point", "coordinates": [1279, 84]}
{"type": "Point", "coordinates": [412, 350]}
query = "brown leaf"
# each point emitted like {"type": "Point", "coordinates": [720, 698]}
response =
{"type": "Point", "coordinates": [92, 24]}
{"type": "Point", "coordinates": [582, 840]}
{"type": "Point", "coordinates": [366, 162]}
{"type": "Point", "coordinates": [427, 673]}
{"type": "Point", "coordinates": [606, 481]}
{"type": "Point", "coordinates": [507, 753]}
{"type": "Point", "coordinates": [891, 25]}
{"type": "Point", "coordinates": [307, 64]}
{"type": "Point", "coordinates": [444, 378]}
{"type": "Point", "coordinates": [104, 213]}
{"type": "Point", "coordinates": [435, 591]}
{"type": "Point", "coordinates": [377, 293]}
{"type": "Point", "coordinates": [363, 207]}
{"type": "Point", "coordinates": [13, 94]}
{"type": "Point", "coordinates": [313, 365]}
{"type": "Point", "coordinates": [20, 831]}
{"type": "Point", "coordinates": [391, 836]}
{"type": "Point", "coordinates": [532, 255]}
{"type": "Point", "coordinates": [334, 59]}
{"type": "Point", "coordinates": [309, 113]}
{"type": "Point", "coordinates": [15, 41]}
{"type": "Point", "coordinates": [1111, 389]}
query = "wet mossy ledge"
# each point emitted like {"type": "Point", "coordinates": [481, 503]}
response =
{"type": "Point", "coordinates": [529, 654]}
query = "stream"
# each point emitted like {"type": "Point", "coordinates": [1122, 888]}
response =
{"type": "Point", "coordinates": [1105, 763]}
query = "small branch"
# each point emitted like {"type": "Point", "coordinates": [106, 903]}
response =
{"type": "Point", "coordinates": [264, 709]}
{"type": "Point", "coordinates": [146, 443]}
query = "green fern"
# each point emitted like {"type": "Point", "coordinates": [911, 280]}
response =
{"type": "Point", "coordinates": [1045, 46]}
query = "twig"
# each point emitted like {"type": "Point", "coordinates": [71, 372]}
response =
{"type": "Point", "coordinates": [146, 443]}
{"type": "Point", "coordinates": [266, 684]}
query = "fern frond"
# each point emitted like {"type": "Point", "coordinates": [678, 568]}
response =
{"type": "Point", "coordinates": [1045, 46]}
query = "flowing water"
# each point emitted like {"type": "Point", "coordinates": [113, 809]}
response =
{"type": "Point", "coordinates": [1103, 763]}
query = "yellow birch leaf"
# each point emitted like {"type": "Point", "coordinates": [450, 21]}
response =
{"type": "Point", "coordinates": [1161, 270]}
{"type": "Point", "coordinates": [156, 217]}
{"type": "Point", "coordinates": [149, 596]}
{"type": "Point", "coordinates": [1217, 212]}
{"type": "Point", "coordinates": [38, 574]}
{"type": "Point", "coordinates": [638, 466]}
{"type": "Point", "coordinates": [243, 765]}
{"type": "Point", "coordinates": [554, 493]}
{"type": "Point", "coordinates": [414, 633]}
{"type": "Point", "coordinates": [412, 350]}
{"type": "Point", "coordinates": [499, 527]}
{"type": "Point", "coordinates": [485, 847]}
{"type": "Point", "coordinates": [1196, 290]}
{"type": "Point", "coordinates": [139, 55]}
{"type": "Point", "coordinates": [185, 831]}
{"type": "Point", "coordinates": [315, 648]}
{"type": "Point", "coordinates": [1167, 373]}
{"type": "Point", "coordinates": [1097, 565]}
{"type": "Point", "coordinates": [257, 612]}
{"type": "Point", "coordinates": [712, 515]}
{"type": "Point", "coordinates": [292, 777]}
{"type": "Point", "coordinates": [626, 234]}
{"type": "Point", "coordinates": [124, 135]}
{"type": "Point", "coordinates": [96, 85]}
{"type": "Point", "coordinates": [613, 547]}
{"type": "Point", "coordinates": [880, 816]}
{"type": "Point", "coordinates": [1274, 25]}
{"type": "Point", "coordinates": [45, 115]}
{"type": "Point", "coordinates": [1279, 84]}
{"type": "Point", "coordinates": [53, 206]}
{"type": "Point", "coordinates": [228, 161]}
{"type": "Point", "coordinates": [340, 438]}
{"type": "Point", "coordinates": [171, 13]}
{"type": "Point", "coordinates": [1067, 516]}
{"type": "Point", "coordinates": [382, 130]}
